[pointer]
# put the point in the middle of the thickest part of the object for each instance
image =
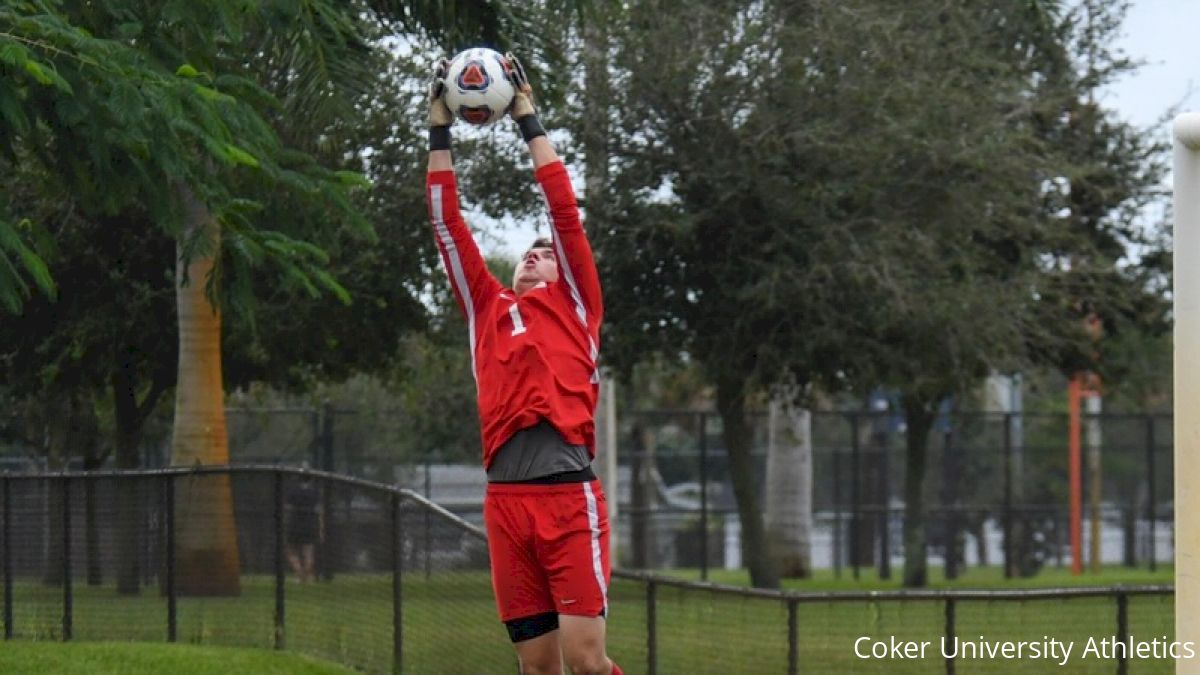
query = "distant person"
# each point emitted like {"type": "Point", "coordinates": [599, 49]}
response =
{"type": "Point", "coordinates": [305, 527]}
{"type": "Point", "coordinates": [533, 353]}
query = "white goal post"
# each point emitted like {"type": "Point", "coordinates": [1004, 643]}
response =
{"type": "Point", "coordinates": [1187, 383]}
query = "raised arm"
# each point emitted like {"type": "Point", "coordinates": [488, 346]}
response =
{"type": "Point", "coordinates": [473, 285]}
{"type": "Point", "coordinates": [571, 246]}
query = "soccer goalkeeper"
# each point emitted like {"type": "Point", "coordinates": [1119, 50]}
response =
{"type": "Point", "coordinates": [533, 351]}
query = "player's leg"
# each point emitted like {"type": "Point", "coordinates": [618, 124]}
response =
{"type": "Point", "coordinates": [520, 586]}
{"type": "Point", "coordinates": [575, 557]}
{"type": "Point", "coordinates": [536, 641]}
{"type": "Point", "coordinates": [582, 639]}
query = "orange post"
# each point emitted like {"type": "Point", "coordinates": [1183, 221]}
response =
{"type": "Point", "coordinates": [1075, 471]}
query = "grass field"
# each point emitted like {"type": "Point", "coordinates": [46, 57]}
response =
{"type": "Point", "coordinates": [750, 635]}
{"type": "Point", "coordinates": [99, 658]}
{"type": "Point", "coordinates": [974, 577]}
{"type": "Point", "coordinates": [450, 624]}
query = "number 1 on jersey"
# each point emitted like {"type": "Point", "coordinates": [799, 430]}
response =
{"type": "Point", "coordinates": [518, 325]}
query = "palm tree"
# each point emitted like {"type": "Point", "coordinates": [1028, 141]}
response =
{"type": "Point", "coordinates": [206, 539]}
{"type": "Point", "coordinates": [86, 108]}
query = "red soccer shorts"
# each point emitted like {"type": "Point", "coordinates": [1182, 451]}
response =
{"type": "Point", "coordinates": [548, 547]}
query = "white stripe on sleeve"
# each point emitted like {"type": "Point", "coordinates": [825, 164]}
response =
{"type": "Point", "coordinates": [454, 261]}
{"type": "Point", "coordinates": [565, 266]}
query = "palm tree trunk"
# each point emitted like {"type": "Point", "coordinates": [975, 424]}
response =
{"type": "Point", "coordinates": [789, 520]}
{"type": "Point", "coordinates": [206, 536]}
{"type": "Point", "coordinates": [731, 404]}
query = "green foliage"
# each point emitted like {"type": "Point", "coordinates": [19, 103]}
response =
{"type": "Point", "coordinates": [22, 240]}
{"type": "Point", "coordinates": [857, 194]}
{"type": "Point", "coordinates": [111, 126]}
{"type": "Point", "coordinates": [893, 202]}
{"type": "Point", "coordinates": [119, 100]}
{"type": "Point", "coordinates": [387, 270]}
{"type": "Point", "coordinates": [114, 312]}
{"type": "Point", "coordinates": [282, 119]}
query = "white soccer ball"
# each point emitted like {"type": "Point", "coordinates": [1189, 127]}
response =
{"type": "Point", "coordinates": [477, 86]}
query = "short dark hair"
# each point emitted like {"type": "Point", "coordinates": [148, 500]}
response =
{"type": "Point", "coordinates": [540, 242]}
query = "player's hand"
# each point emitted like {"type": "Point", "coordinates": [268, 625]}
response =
{"type": "Point", "coordinates": [439, 112]}
{"type": "Point", "coordinates": [522, 105]}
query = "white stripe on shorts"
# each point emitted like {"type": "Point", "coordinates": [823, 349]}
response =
{"type": "Point", "coordinates": [594, 523]}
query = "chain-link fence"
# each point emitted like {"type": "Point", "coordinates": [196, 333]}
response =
{"type": "Point", "coordinates": [342, 569]}
{"type": "Point", "coordinates": [996, 491]}
{"type": "Point", "coordinates": [380, 579]}
{"type": "Point", "coordinates": [996, 487]}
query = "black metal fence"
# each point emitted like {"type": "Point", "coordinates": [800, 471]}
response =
{"type": "Point", "coordinates": [216, 555]}
{"type": "Point", "coordinates": [996, 490]}
{"type": "Point", "coordinates": [203, 555]}
{"type": "Point", "coordinates": [760, 631]}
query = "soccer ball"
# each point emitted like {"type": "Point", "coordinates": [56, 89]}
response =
{"type": "Point", "coordinates": [477, 86]}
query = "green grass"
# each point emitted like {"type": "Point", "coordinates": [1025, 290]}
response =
{"type": "Point", "coordinates": [347, 621]}
{"type": "Point", "coordinates": [450, 623]}
{"type": "Point", "coordinates": [752, 633]}
{"type": "Point", "coordinates": [974, 577]}
{"type": "Point", "coordinates": [102, 658]}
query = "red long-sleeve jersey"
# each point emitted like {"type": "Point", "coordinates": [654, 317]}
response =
{"type": "Point", "coordinates": [533, 356]}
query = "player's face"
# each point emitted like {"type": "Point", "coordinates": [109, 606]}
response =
{"type": "Point", "coordinates": [536, 266]}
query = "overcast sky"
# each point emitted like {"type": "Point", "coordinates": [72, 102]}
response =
{"type": "Point", "coordinates": [1160, 33]}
